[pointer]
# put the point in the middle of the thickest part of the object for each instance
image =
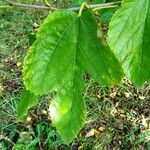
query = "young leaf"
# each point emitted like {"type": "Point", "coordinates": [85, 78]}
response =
{"type": "Point", "coordinates": [129, 38]}
{"type": "Point", "coordinates": [27, 101]}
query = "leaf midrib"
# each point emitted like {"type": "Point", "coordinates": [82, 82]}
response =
{"type": "Point", "coordinates": [106, 66]}
{"type": "Point", "coordinates": [73, 74]}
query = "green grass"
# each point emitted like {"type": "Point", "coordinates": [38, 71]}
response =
{"type": "Point", "coordinates": [121, 111]}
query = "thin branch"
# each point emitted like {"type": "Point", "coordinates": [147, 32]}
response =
{"type": "Point", "coordinates": [30, 6]}
{"type": "Point", "coordinates": [98, 5]}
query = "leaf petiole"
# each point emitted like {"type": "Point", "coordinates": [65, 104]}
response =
{"type": "Point", "coordinates": [84, 4]}
{"type": "Point", "coordinates": [47, 3]}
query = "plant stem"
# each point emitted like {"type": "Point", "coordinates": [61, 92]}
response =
{"type": "Point", "coordinates": [30, 6]}
{"type": "Point", "coordinates": [105, 7]}
{"type": "Point", "coordinates": [84, 4]}
{"type": "Point", "coordinates": [47, 3]}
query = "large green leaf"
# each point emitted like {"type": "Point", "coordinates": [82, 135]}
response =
{"type": "Point", "coordinates": [97, 59]}
{"type": "Point", "coordinates": [67, 110]}
{"type": "Point", "coordinates": [66, 46]}
{"type": "Point", "coordinates": [129, 38]}
{"type": "Point", "coordinates": [60, 70]}
{"type": "Point", "coordinates": [27, 101]}
{"type": "Point", "coordinates": [52, 55]}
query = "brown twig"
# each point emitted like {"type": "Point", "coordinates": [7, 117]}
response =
{"type": "Point", "coordinates": [31, 6]}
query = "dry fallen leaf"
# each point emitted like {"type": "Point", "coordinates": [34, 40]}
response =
{"type": "Point", "coordinates": [35, 25]}
{"type": "Point", "coordinates": [127, 95]}
{"type": "Point", "coordinates": [113, 95]}
{"type": "Point", "coordinates": [98, 96]}
{"type": "Point", "coordinates": [1, 66]}
{"type": "Point", "coordinates": [29, 119]}
{"type": "Point", "coordinates": [18, 64]}
{"type": "Point", "coordinates": [44, 112]}
{"type": "Point", "coordinates": [141, 97]}
{"type": "Point", "coordinates": [101, 129]}
{"type": "Point", "coordinates": [144, 121]}
{"type": "Point", "coordinates": [92, 132]}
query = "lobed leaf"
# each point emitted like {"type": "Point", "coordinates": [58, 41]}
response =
{"type": "Point", "coordinates": [66, 46]}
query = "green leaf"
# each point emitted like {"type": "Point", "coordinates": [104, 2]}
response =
{"type": "Point", "coordinates": [52, 54]}
{"type": "Point", "coordinates": [68, 109]}
{"type": "Point", "coordinates": [129, 38]}
{"type": "Point", "coordinates": [18, 146]}
{"type": "Point", "coordinates": [106, 14]}
{"type": "Point", "coordinates": [27, 101]}
{"type": "Point", "coordinates": [66, 46]}
{"type": "Point", "coordinates": [97, 59]}
{"type": "Point", "coordinates": [31, 38]}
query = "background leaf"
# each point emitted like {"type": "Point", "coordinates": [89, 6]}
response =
{"type": "Point", "coordinates": [97, 59]}
{"type": "Point", "coordinates": [68, 109]}
{"type": "Point", "coordinates": [27, 101]}
{"type": "Point", "coordinates": [129, 38]}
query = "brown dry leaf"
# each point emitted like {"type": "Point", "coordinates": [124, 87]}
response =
{"type": "Point", "coordinates": [113, 95]}
{"type": "Point", "coordinates": [101, 129]}
{"type": "Point", "coordinates": [127, 95]}
{"type": "Point", "coordinates": [1, 66]}
{"type": "Point", "coordinates": [35, 25]}
{"type": "Point", "coordinates": [141, 97]}
{"type": "Point", "coordinates": [18, 64]}
{"type": "Point", "coordinates": [98, 96]}
{"type": "Point", "coordinates": [92, 132]}
{"type": "Point", "coordinates": [144, 121]}
{"type": "Point", "coordinates": [44, 112]}
{"type": "Point", "coordinates": [29, 119]}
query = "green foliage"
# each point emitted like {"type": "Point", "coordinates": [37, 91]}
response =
{"type": "Point", "coordinates": [119, 109]}
{"type": "Point", "coordinates": [65, 47]}
{"type": "Point", "coordinates": [73, 39]}
{"type": "Point", "coordinates": [27, 101]}
{"type": "Point", "coordinates": [129, 38]}
{"type": "Point", "coordinates": [28, 140]}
